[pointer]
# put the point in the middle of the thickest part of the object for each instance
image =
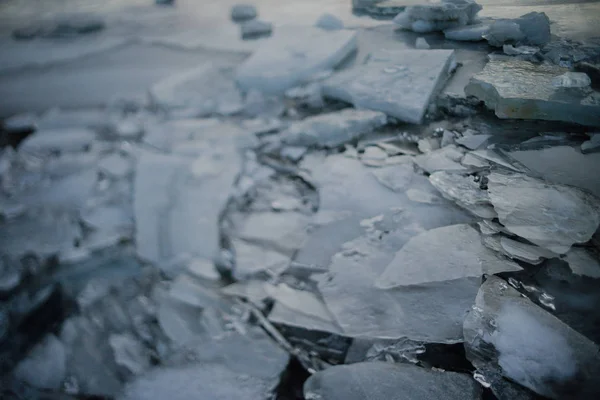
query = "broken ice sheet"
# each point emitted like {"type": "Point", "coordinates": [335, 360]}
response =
{"type": "Point", "coordinates": [523, 251]}
{"type": "Point", "coordinates": [530, 94]}
{"type": "Point", "coordinates": [300, 309]}
{"type": "Point", "coordinates": [333, 129]}
{"type": "Point", "coordinates": [442, 254]}
{"type": "Point", "coordinates": [465, 192]}
{"type": "Point", "coordinates": [199, 92]}
{"type": "Point", "coordinates": [528, 345]}
{"type": "Point", "coordinates": [550, 215]}
{"type": "Point", "coordinates": [293, 56]}
{"type": "Point", "coordinates": [383, 381]}
{"type": "Point", "coordinates": [400, 83]}
{"type": "Point", "coordinates": [230, 367]}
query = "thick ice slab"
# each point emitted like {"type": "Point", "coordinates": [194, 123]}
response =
{"type": "Point", "coordinates": [519, 89]}
{"type": "Point", "coordinates": [442, 254]}
{"type": "Point", "coordinates": [552, 216]}
{"type": "Point", "coordinates": [293, 56]}
{"type": "Point", "coordinates": [510, 335]}
{"type": "Point", "coordinates": [400, 83]}
{"type": "Point", "coordinates": [468, 33]}
{"type": "Point", "coordinates": [383, 381]}
{"type": "Point", "coordinates": [44, 367]}
{"type": "Point", "coordinates": [333, 129]}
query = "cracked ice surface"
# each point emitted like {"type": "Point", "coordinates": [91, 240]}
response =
{"type": "Point", "coordinates": [400, 83]}
{"type": "Point", "coordinates": [293, 57]}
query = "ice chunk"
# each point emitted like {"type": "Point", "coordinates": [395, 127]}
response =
{"type": "Point", "coordinates": [329, 22]}
{"type": "Point", "coordinates": [333, 129]}
{"type": "Point", "coordinates": [495, 158]}
{"type": "Point", "coordinates": [400, 83]}
{"type": "Point", "coordinates": [300, 309]}
{"type": "Point", "coordinates": [442, 254]}
{"type": "Point", "coordinates": [427, 145]}
{"type": "Point", "coordinates": [395, 177]}
{"type": "Point", "coordinates": [293, 57]}
{"type": "Point", "coordinates": [255, 29]}
{"type": "Point", "coordinates": [572, 80]}
{"type": "Point", "coordinates": [473, 142]}
{"type": "Point", "coordinates": [251, 259]}
{"type": "Point", "coordinates": [468, 33]}
{"type": "Point", "coordinates": [445, 159]}
{"type": "Point", "coordinates": [45, 365]}
{"type": "Point", "coordinates": [511, 50]}
{"type": "Point", "coordinates": [20, 122]}
{"type": "Point", "coordinates": [47, 142]}
{"type": "Point", "coordinates": [230, 367]}
{"type": "Point", "coordinates": [583, 262]}
{"type": "Point", "coordinates": [198, 92]}
{"type": "Point", "coordinates": [62, 26]}
{"type": "Point", "coordinates": [509, 334]}
{"type": "Point", "coordinates": [115, 166]}
{"type": "Point", "coordinates": [374, 156]}
{"type": "Point", "coordinates": [243, 12]}
{"type": "Point", "coordinates": [524, 251]}
{"type": "Point", "coordinates": [283, 232]}
{"type": "Point", "coordinates": [504, 31]}
{"type": "Point", "coordinates": [43, 233]}
{"type": "Point", "coordinates": [422, 44]}
{"type": "Point", "coordinates": [423, 196]}
{"type": "Point", "coordinates": [447, 138]}
{"type": "Point", "coordinates": [530, 94]}
{"type": "Point", "coordinates": [437, 16]}
{"type": "Point", "coordinates": [129, 352]}
{"type": "Point", "coordinates": [550, 215]}
{"type": "Point", "coordinates": [592, 145]}
{"type": "Point", "coordinates": [536, 28]}
{"type": "Point", "coordinates": [465, 192]}
{"type": "Point", "coordinates": [177, 199]}
{"type": "Point", "coordinates": [383, 381]}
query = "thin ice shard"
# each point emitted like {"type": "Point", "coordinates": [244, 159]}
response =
{"type": "Point", "coordinates": [400, 83]}
{"type": "Point", "coordinates": [550, 215]}
{"type": "Point", "coordinates": [442, 254]}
